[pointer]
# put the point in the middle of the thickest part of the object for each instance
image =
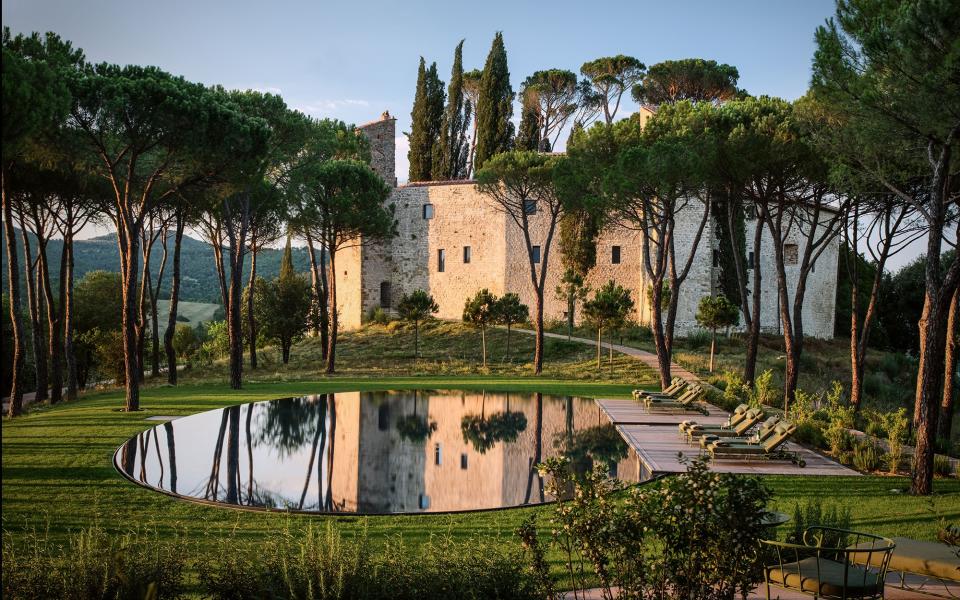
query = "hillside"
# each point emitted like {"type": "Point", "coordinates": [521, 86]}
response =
{"type": "Point", "coordinates": [198, 269]}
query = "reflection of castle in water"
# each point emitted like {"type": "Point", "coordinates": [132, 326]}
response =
{"type": "Point", "coordinates": [370, 452]}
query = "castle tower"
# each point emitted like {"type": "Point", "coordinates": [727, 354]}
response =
{"type": "Point", "coordinates": [383, 158]}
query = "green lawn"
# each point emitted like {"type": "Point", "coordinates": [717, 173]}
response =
{"type": "Point", "coordinates": [58, 476]}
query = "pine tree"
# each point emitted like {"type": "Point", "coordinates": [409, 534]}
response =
{"type": "Point", "coordinates": [494, 105]}
{"type": "Point", "coordinates": [419, 153]}
{"type": "Point", "coordinates": [451, 149]}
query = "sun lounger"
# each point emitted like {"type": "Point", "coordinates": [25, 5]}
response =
{"type": "Point", "coordinates": [763, 432]}
{"type": "Point", "coordinates": [737, 416]}
{"type": "Point", "coordinates": [677, 386]}
{"type": "Point", "coordinates": [769, 449]}
{"type": "Point", "coordinates": [749, 420]}
{"type": "Point", "coordinates": [688, 401]}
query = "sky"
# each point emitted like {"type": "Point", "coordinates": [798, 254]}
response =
{"type": "Point", "coordinates": [353, 59]}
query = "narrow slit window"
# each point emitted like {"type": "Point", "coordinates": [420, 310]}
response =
{"type": "Point", "coordinates": [750, 264]}
{"type": "Point", "coordinates": [530, 207]}
{"type": "Point", "coordinates": [466, 255]}
{"type": "Point", "coordinates": [427, 211]}
{"type": "Point", "coordinates": [535, 254]}
{"type": "Point", "coordinates": [615, 255]}
{"type": "Point", "coordinates": [437, 455]}
{"type": "Point", "coordinates": [441, 260]}
{"type": "Point", "coordinates": [463, 461]}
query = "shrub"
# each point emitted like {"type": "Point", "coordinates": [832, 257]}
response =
{"type": "Point", "coordinates": [763, 392]}
{"type": "Point", "coordinates": [813, 513]}
{"type": "Point", "coordinates": [93, 564]}
{"type": "Point", "coordinates": [377, 316]}
{"type": "Point", "coordinates": [689, 536]}
{"type": "Point", "coordinates": [324, 565]}
{"type": "Point", "coordinates": [942, 466]}
{"type": "Point", "coordinates": [810, 433]}
{"type": "Point", "coordinates": [895, 424]}
{"type": "Point", "coordinates": [698, 339]}
{"type": "Point", "coordinates": [867, 457]}
{"type": "Point", "coordinates": [803, 407]}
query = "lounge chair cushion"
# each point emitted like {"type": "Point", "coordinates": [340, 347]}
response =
{"type": "Point", "coordinates": [802, 575]}
{"type": "Point", "coordinates": [922, 558]}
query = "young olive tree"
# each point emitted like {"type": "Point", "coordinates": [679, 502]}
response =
{"type": "Point", "coordinates": [716, 312]}
{"type": "Point", "coordinates": [520, 184]}
{"type": "Point", "coordinates": [480, 311]}
{"type": "Point", "coordinates": [509, 311]}
{"type": "Point", "coordinates": [417, 306]}
{"type": "Point", "coordinates": [609, 308]}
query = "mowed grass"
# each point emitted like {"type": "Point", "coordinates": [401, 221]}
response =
{"type": "Point", "coordinates": [58, 475]}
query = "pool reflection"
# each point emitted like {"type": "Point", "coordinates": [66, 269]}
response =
{"type": "Point", "coordinates": [375, 452]}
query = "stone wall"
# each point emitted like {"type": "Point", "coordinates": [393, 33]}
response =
{"type": "Point", "coordinates": [372, 276]}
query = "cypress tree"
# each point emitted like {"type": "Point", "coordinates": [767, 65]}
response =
{"type": "Point", "coordinates": [435, 100]}
{"type": "Point", "coordinates": [450, 152]}
{"type": "Point", "coordinates": [494, 105]}
{"type": "Point", "coordinates": [729, 242]}
{"type": "Point", "coordinates": [528, 135]}
{"type": "Point", "coordinates": [419, 136]}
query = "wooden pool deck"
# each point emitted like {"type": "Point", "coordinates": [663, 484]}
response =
{"type": "Point", "coordinates": [654, 436]}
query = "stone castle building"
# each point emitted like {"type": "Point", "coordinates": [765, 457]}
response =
{"type": "Point", "coordinates": [452, 242]}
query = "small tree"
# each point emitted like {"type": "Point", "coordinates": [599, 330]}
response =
{"type": "Point", "coordinates": [417, 306]}
{"type": "Point", "coordinates": [609, 308]}
{"type": "Point", "coordinates": [481, 311]}
{"type": "Point", "coordinates": [185, 341]}
{"type": "Point", "coordinates": [283, 304]}
{"type": "Point", "coordinates": [716, 312]}
{"type": "Point", "coordinates": [510, 310]}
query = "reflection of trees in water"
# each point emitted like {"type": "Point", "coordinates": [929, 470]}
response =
{"type": "Point", "coordinates": [289, 424]}
{"type": "Point", "coordinates": [483, 432]}
{"type": "Point", "coordinates": [598, 444]}
{"type": "Point", "coordinates": [172, 455]}
{"type": "Point", "coordinates": [415, 428]}
{"type": "Point", "coordinates": [319, 441]}
{"type": "Point", "coordinates": [537, 457]}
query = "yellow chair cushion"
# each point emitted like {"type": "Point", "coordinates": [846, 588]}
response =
{"type": "Point", "coordinates": [921, 558]}
{"type": "Point", "coordinates": [827, 580]}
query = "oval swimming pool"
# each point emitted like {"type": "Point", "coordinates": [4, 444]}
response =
{"type": "Point", "coordinates": [373, 452]}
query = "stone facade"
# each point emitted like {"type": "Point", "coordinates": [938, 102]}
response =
{"type": "Point", "coordinates": [445, 218]}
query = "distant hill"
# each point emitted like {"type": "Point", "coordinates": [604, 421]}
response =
{"type": "Point", "coordinates": [198, 271]}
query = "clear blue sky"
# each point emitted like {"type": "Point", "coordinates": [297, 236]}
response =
{"type": "Point", "coordinates": [353, 59]}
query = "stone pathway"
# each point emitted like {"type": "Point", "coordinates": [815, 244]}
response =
{"type": "Point", "coordinates": [647, 358]}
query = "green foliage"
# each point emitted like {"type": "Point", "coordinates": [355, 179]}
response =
{"type": "Point", "coordinates": [282, 306]}
{"type": "Point", "coordinates": [690, 536]}
{"type": "Point", "coordinates": [609, 306]}
{"type": "Point", "coordinates": [494, 106]}
{"type": "Point", "coordinates": [610, 77]}
{"type": "Point", "coordinates": [185, 341]}
{"type": "Point", "coordinates": [896, 425]}
{"type": "Point", "coordinates": [106, 348]}
{"type": "Point", "coordinates": [451, 151]}
{"type": "Point", "coordinates": [730, 243]}
{"type": "Point", "coordinates": [216, 341]}
{"type": "Point", "coordinates": [425, 123]}
{"type": "Point", "coordinates": [813, 513]}
{"type": "Point", "coordinates": [326, 565]}
{"type": "Point", "coordinates": [693, 79]}
{"type": "Point", "coordinates": [763, 393]}
{"type": "Point", "coordinates": [841, 421]}
{"type": "Point", "coordinates": [698, 339]}
{"type": "Point", "coordinates": [716, 312]}
{"type": "Point", "coordinates": [98, 301]}
{"type": "Point", "coordinates": [943, 466]}
{"type": "Point", "coordinates": [416, 307]}
{"type": "Point", "coordinates": [509, 310]}
{"type": "Point", "coordinates": [600, 445]}
{"type": "Point", "coordinates": [481, 309]}
{"type": "Point", "coordinates": [94, 564]}
{"type": "Point", "coordinates": [549, 99]}
{"type": "Point", "coordinates": [867, 457]}
{"type": "Point", "coordinates": [415, 428]}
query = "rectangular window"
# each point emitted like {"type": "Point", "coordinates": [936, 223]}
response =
{"type": "Point", "coordinates": [530, 207]}
{"type": "Point", "coordinates": [615, 255]}
{"type": "Point", "coordinates": [441, 260]}
{"type": "Point", "coordinates": [750, 260]}
{"type": "Point", "coordinates": [466, 255]}
{"type": "Point", "coordinates": [384, 294]}
{"type": "Point", "coordinates": [716, 258]}
{"type": "Point", "coordinates": [463, 461]}
{"type": "Point", "coordinates": [535, 254]}
{"type": "Point", "coordinates": [427, 211]}
{"type": "Point", "coordinates": [790, 252]}
{"type": "Point", "coordinates": [437, 455]}
{"type": "Point", "coordinates": [424, 502]}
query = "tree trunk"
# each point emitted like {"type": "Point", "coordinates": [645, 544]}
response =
{"type": "Point", "coordinates": [68, 349]}
{"type": "Point", "coordinates": [599, 338]}
{"type": "Point", "coordinates": [54, 321]}
{"type": "Point", "coordinates": [509, 358]}
{"type": "Point", "coordinates": [753, 329]}
{"type": "Point", "coordinates": [174, 302]}
{"type": "Point", "coordinates": [13, 282]}
{"type": "Point", "coordinates": [322, 299]}
{"type": "Point", "coordinates": [285, 348]}
{"type": "Point", "coordinates": [571, 306]}
{"type": "Point", "coordinates": [235, 323]}
{"type": "Point", "coordinates": [950, 368]}
{"type": "Point", "coordinates": [172, 454]}
{"type": "Point", "coordinates": [713, 346]}
{"type": "Point", "coordinates": [251, 321]}
{"type": "Point", "coordinates": [334, 318]}
{"type": "Point", "coordinates": [659, 340]}
{"type": "Point", "coordinates": [33, 303]}
{"type": "Point", "coordinates": [538, 348]}
{"type": "Point", "coordinates": [416, 339]}
{"type": "Point", "coordinates": [129, 241]}
{"type": "Point", "coordinates": [483, 343]}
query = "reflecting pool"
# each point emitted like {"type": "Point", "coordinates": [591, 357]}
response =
{"type": "Point", "coordinates": [375, 452]}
